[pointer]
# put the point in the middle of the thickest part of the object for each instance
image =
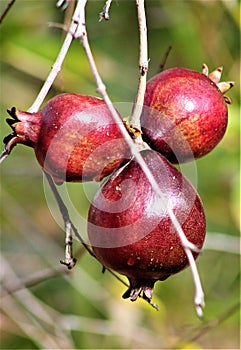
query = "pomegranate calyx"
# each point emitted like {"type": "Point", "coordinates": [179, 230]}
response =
{"type": "Point", "coordinates": [132, 293]}
{"type": "Point", "coordinates": [215, 76]}
{"type": "Point", "coordinates": [25, 126]}
{"type": "Point", "coordinates": [139, 288]}
{"type": "Point", "coordinates": [224, 86]}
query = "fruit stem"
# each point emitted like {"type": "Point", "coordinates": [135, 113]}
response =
{"type": "Point", "coordinates": [143, 66]}
{"type": "Point", "coordinates": [4, 155]}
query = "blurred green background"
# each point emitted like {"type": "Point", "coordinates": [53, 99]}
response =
{"type": "Point", "coordinates": [83, 309]}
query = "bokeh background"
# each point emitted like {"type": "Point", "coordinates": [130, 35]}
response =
{"type": "Point", "coordinates": [42, 304]}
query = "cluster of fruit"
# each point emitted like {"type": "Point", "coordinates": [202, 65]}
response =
{"type": "Point", "coordinates": [129, 225]}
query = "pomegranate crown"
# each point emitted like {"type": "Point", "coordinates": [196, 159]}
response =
{"type": "Point", "coordinates": [215, 76]}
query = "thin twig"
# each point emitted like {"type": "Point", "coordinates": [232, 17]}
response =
{"type": "Point", "coordinates": [143, 65]}
{"type": "Point", "coordinates": [65, 215]}
{"type": "Point", "coordinates": [68, 260]}
{"type": "Point", "coordinates": [63, 4]}
{"type": "Point", "coordinates": [36, 278]}
{"type": "Point", "coordinates": [187, 245]}
{"type": "Point", "coordinates": [105, 13]}
{"type": "Point", "coordinates": [5, 12]}
{"type": "Point", "coordinates": [57, 64]}
{"type": "Point", "coordinates": [164, 59]}
{"type": "Point", "coordinates": [33, 280]}
{"type": "Point", "coordinates": [215, 322]}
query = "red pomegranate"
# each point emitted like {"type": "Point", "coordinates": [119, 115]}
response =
{"type": "Point", "coordinates": [185, 114]}
{"type": "Point", "coordinates": [129, 225]}
{"type": "Point", "coordinates": [74, 137]}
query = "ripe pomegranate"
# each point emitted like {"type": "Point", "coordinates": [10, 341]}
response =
{"type": "Point", "coordinates": [74, 137]}
{"type": "Point", "coordinates": [186, 114]}
{"type": "Point", "coordinates": [130, 229]}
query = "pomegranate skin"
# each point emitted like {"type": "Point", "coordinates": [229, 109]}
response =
{"type": "Point", "coordinates": [75, 139]}
{"type": "Point", "coordinates": [131, 231]}
{"type": "Point", "coordinates": [187, 114]}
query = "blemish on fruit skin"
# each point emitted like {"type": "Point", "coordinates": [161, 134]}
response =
{"type": "Point", "coordinates": [131, 261]}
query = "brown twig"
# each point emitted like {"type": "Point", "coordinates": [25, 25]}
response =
{"type": "Point", "coordinates": [5, 12]}
{"type": "Point", "coordinates": [68, 223]}
{"type": "Point", "coordinates": [164, 59]}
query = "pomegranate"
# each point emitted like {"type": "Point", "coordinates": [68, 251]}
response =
{"type": "Point", "coordinates": [74, 137]}
{"type": "Point", "coordinates": [131, 231]}
{"type": "Point", "coordinates": [186, 113]}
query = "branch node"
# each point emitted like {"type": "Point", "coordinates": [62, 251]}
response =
{"type": "Point", "coordinates": [191, 246]}
{"type": "Point", "coordinates": [70, 263]}
{"type": "Point", "coordinates": [101, 89]}
{"type": "Point", "coordinates": [143, 69]}
{"type": "Point", "coordinates": [105, 13]}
